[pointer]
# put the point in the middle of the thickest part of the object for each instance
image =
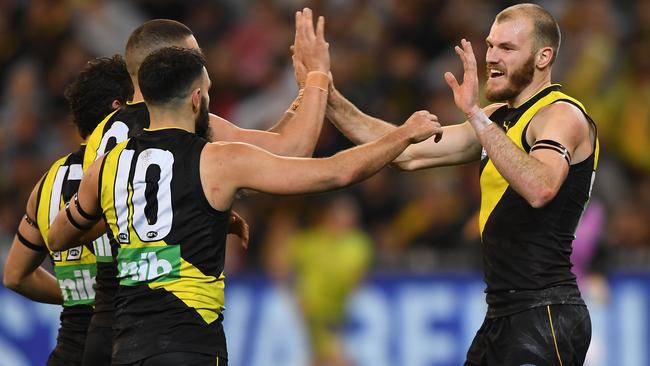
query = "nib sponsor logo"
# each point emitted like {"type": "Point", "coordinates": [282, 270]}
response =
{"type": "Point", "coordinates": [153, 264]}
{"type": "Point", "coordinates": [77, 283]}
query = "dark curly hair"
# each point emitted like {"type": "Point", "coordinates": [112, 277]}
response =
{"type": "Point", "coordinates": [91, 95]}
{"type": "Point", "coordinates": [168, 74]}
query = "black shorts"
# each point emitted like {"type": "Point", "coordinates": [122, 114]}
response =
{"type": "Point", "coordinates": [99, 346]}
{"type": "Point", "coordinates": [180, 358]}
{"type": "Point", "coordinates": [60, 360]}
{"type": "Point", "coordinates": [545, 335]}
{"type": "Point", "coordinates": [70, 342]}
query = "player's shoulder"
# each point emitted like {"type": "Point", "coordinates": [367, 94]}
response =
{"type": "Point", "coordinates": [562, 112]}
{"type": "Point", "coordinates": [230, 153]}
{"type": "Point", "coordinates": [561, 117]}
{"type": "Point", "coordinates": [58, 162]}
{"type": "Point", "coordinates": [222, 147]}
{"type": "Point", "coordinates": [490, 109]}
{"type": "Point", "coordinates": [130, 113]}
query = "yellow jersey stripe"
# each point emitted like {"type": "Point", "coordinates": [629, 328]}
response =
{"type": "Point", "coordinates": [493, 185]}
{"type": "Point", "coordinates": [94, 140]}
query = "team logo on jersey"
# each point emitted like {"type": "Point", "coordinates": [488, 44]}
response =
{"type": "Point", "coordinates": [77, 283]}
{"type": "Point", "coordinates": [507, 125]}
{"type": "Point", "coordinates": [56, 256]}
{"type": "Point", "coordinates": [150, 264]}
{"type": "Point", "coordinates": [74, 253]}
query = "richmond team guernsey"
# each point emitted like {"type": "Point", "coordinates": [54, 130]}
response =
{"type": "Point", "coordinates": [171, 247]}
{"type": "Point", "coordinates": [115, 128]}
{"type": "Point", "coordinates": [527, 251]}
{"type": "Point", "coordinates": [74, 268]}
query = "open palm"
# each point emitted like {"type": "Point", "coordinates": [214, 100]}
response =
{"type": "Point", "coordinates": [465, 94]}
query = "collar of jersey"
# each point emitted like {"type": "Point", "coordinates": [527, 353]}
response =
{"type": "Point", "coordinates": [542, 90]}
{"type": "Point", "coordinates": [164, 128]}
{"type": "Point", "coordinates": [128, 102]}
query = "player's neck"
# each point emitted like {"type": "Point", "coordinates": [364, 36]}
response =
{"type": "Point", "coordinates": [533, 88]}
{"type": "Point", "coordinates": [137, 95]}
{"type": "Point", "coordinates": [170, 118]}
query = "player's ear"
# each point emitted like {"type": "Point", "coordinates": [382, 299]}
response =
{"type": "Point", "coordinates": [116, 104]}
{"type": "Point", "coordinates": [544, 57]}
{"type": "Point", "coordinates": [196, 99]}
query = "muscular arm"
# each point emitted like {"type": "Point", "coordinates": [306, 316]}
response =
{"type": "Point", "coordinates": [538, 176]}
{"type": "Point", "coordinates": [63, 234]}
{"type": "Point", "coordinates": [458, 145]}
{"type": "Point", "coordinates": [243, 166]}
{"type": "Point", "coordinates": [357, 126]}
{"type": "Point", "coordinates": [280, 125]}
{"type": "Point", "coordinates": [22, 271]}
{"type": "Point", "coordinates": [295, 134]}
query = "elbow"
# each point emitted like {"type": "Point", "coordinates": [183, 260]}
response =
{"type": "Point", "coordinates": [11, 280]}
{"type": "Point", "coordinates": [541, 197]}
{"type": "Point", "coordinates": [298, 150]}
{"type": "Point", "coordinates": [53, 241]}
{"type": "Point", "coordinates": [302, 151]}
{"type": "Point", "coordinates": [352, 176]}
{"type": "Point", "coordinates": [339, 180]}
{"type": "Point", "coordinates": [344, 177]}
{"type": "Point", "coordinates": [403, 166]}
{"type": "Point", "coordinates": [54, 245]}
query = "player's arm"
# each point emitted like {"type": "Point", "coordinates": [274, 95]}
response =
{"type": "Point", "coordinates": [22, 271]}
{"type": "Point", "coordinates": [558, 132]}
{"type": "Point", "coordinates": [80, 215]}
{"type": "Point", "coordinates": [538, 176]}
{"type": "Point", "coordinates": [242, 166]}
{"type": "Point", "coordinates": [300, 72]}
{"type": "Point", "coordinates": [459, 144]}
{"type": "Point", "coordinates": [297, 133]}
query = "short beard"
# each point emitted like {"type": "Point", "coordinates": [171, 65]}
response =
{"type": "Point", "coordinates": [519, 80]}
{"type": "Point", "coordinates": [201, 123]}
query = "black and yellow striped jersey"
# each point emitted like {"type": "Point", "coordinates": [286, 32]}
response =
{"type": "Point", "coordinates": [118, 126]}
{"type": "Point", "coordinates": [74, 268]}
{"type": "Point", "coordinates": [115, 128]}
{"type": "Point", "coordinates": [529, 249]}
{"type": "Point", "coordinates": [171, 251]}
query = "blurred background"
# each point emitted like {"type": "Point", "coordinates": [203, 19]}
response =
{"type": "Point", "coordinates": [384, 273]}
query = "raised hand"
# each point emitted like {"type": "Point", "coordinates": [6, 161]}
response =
{"type": "Point", "coordinates": [465, 94]}
{"type": "Point", "coordinates": [238, 227]}
{"type": "Point", "coordinates": [299, 70]}
{"type": "Point", "coordinates": [309, 46]}
{"type": "Point", "coordinates": [422, 125]}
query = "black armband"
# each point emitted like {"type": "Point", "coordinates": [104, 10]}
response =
{"type": "Point", "coordinates": [30, 222]}
{"type": "Point", "coordinates": [73, 221]}
{"type": "Point", "coordinates": [83, 213]}
{"type": "Point", "coordinates": [29, 244]}
{"type": "Point", "coordinates": [555, 146]}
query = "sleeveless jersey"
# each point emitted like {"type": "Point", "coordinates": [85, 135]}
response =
{"type": "Point", "coordinates": [74, 268]}
{"type": "Point", "coordinates": [527, 250]}
{"type": "Point", "coordinates": [115, 128]}
{"type": "Point", "coordinates": [171, 251]}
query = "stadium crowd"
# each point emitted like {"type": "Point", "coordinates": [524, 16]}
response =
{"type": "Point", "coordinates": [388, 57]}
